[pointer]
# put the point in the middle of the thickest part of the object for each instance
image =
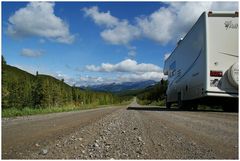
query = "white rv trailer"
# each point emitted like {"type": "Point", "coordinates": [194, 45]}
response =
{"type": "Point", "coordinates": [204, 65]}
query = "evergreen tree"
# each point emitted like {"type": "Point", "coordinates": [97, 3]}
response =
{"type": "Point", "coordinates": [3, 61]}
{"type": "Point", "coordinates": [21, 89]}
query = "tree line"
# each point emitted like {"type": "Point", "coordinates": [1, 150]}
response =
{"type": "Point", "coordinates": [21, 89]}
{"type": "Point", "coordinates": [155, 93]}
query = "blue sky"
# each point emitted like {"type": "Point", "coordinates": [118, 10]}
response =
{"type": "Point", "coordinates": [90, 43]}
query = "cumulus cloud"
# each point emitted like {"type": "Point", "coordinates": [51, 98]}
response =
{"type": "Point", "coordinates": [38, 19]}
{"type": "Point", "coordinates": [136, 77]}
{"type": "Point", "coordinates": [127, 65]}
{"type": "Point", "coordinates": [174, 21]}
{"type": "Point", "coordinates": [121, 34]}
{"type": "Point", "coordinates": [117, 32]}
{"type": "Point", "coordinates": [101, 18]}
{"type": "Point", "coordinates": [157, 26]}
{"type": "Point", "coordinates": [129, 77]}
{"type": "Point", "coordinates": [31, 53]}
{"type": "Point", "coordinates": [167, 24]}
{"type": "Point", "coordinates": [91, 80]}
{"type": "Point", "coordinates": [125, 71]}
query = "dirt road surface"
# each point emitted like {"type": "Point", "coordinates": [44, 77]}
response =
{"type": "Point", "coordinates": [133, 132]}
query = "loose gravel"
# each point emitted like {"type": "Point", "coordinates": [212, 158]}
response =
{"type": "Point", "coordinates": [142, 134]}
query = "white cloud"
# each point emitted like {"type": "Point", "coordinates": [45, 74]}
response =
{"type": "Point", "coordinates": [133, 77]}
{"type": "Point", "coordinates": [117, 32]}
{"type": "Point", "coordinates": [121, 34]}
{"type": "Point", "coordinates": [127, 65]}
{"type": "Point", "coordinates": [125, 71]}
{"type": "Point", "coordinates": [86, 80]}
{"type": "Point", "coordinates": [158, 25]}
{"type": "Point", "coordinates": [157, 76]}
{"type": "Point", "coordinates": [174, 21]}
{"type": "Point", "coordinates": [31, 52]}
{"type": "Point", "coordinates": [90, 80]}
{"type": "Point", "coordinates": [167, 24]}
{"type": "Point", "coordinates": [38, 19]}
{"type": "Point", "coordinates": [101, 18]}
{"type": "Point", "coordinates": [225, 6]}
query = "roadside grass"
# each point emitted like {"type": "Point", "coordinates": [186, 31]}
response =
{"type": "Point", "coordinates": [14, 112]}
{"type": "Point", "coordinates": [143, 102]}
{"type": "Point", "coordinates": [158, 103]}
{"type": "Point", "coordinates": [154, 103]}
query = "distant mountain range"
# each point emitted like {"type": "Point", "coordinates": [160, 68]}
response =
{"type": "Point", "coordinates": [115, 87]}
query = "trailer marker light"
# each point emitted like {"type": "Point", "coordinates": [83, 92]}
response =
{"type": "Point", "coordinates": [216, 73]}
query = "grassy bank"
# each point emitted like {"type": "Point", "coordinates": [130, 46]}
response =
{"type": "Point", "coordinates": [148, 102]}
{"type": "Point", "coordinates": [13, 112]}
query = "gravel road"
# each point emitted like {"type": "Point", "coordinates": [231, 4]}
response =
{"type": "Point", "coordinates": [133, 132]}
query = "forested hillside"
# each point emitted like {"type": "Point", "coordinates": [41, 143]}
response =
{"type": "Point", "coordinates": [153, 94]}
{"type": "Point", "coordinates": [21, 89]}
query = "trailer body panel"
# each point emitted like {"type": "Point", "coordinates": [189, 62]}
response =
{"type": "Point", "coordinates": [199, 66]}
{"type": "Point", "coordinates": [222, 52]}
